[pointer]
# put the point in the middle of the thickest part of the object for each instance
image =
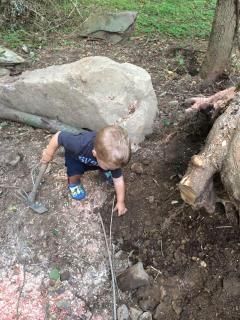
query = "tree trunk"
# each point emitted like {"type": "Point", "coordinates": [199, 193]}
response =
{"type": "Point", "coordinates": [221, 153]}
{"type": "Point", "coordinates": [221, 40]}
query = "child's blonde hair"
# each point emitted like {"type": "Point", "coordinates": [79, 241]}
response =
{"type": "Point", "coordinates": [112, 145]}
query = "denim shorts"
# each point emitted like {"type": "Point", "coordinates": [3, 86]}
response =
{"type": "Point", "coordinates": [76, 167]}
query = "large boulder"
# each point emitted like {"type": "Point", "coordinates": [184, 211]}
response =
{"type": "Point", "coordinates": [90, 93]}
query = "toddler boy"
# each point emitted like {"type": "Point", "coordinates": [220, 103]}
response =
{"type": "Point", "coordinates": [107, 150]}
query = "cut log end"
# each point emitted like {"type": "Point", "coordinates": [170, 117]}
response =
{"type": "Point", "coordinates": [187, 194]}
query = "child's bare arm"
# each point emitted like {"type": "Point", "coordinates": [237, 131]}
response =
{"type": "Point", "coordinates": [119, 186]}
{"type": "Point", "coordinates": [49, 151]}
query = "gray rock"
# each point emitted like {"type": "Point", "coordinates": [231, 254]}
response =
{"type": "Point", "coordinates": [122, 312]}
{"type": "Point", "coordinates": [137, 167]}
{"type": "Point", "coordinates": [146, 316]}
{"type": "Point", "coordinates": [63, 304]}
{"type": "Point", "coordinates": [109, 26]}
{"type": "Point", "coordinates": [135, 313]}
{"type": "Point", "coordinates": [9, 157]}
{"type": "Point", "coordinates": [65, 275]}
{"type": "Point", "coordinates": [90, 93]}
{"type": "Point", "coordinates": [8, 57]}
{"type": "Point", "coordinates": [164, 311]}
{"type": "Point", "coordinates": [232, 286]}
{"type": "Point", "coordinates": [173, 103]}
{"type": "Point", "coordinates": [194, 279]}
{"type": "Point", "coordinates": [177, 306]}
{"type": "Point", "coordinates": [4, 72]}
{"type": "Point", "coordinates": [133, 278]}
{"type": "Point", "coordinates": [149, 297]}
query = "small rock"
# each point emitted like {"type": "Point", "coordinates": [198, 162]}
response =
{"type": "Point", "coordinates": [25, 48]}
{"type": "Point", "coordinates": [133, 278]}
{"type": "Point", "coordinates": [164, 311]}
{"type": "Point", "coordinates": [149, 297]}
{"type": "Point", "coordinates": [8, 57]}
{"type": "Point", "coordinates": [146, 162]}
{"type": "Point", "coordinates": [146, 316]}
{"type": "Point", "coordinates": [232, 286]}
{"type": "Point", "coordinates": [51, 283]}
{"type": "Point", "coordinates": [174, 202]}
{"type": "Point", "coordinates": [137, 167]}
{"type": "Point", "coordinates": [151, 199]}
{"type": "Point", "coordinates": [122, 312]}
{"type": "Point", "coordinates": [173, 103]}
{"type": "Point", "coordinates": [63, 304]}
{"type": "Point", "coordinates": [4, 72]}
{"type": "Point", "coordinates": [135, 313]}
{"type": "Point", "coordinates": [65, 275]}
{"type": "Point", "coordinates": [203, 264]}
{"type": "Point", "coordinates": [177, 306]}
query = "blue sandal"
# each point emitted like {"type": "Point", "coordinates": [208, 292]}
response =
{"type": "Point", "coordinates": [77, 191]}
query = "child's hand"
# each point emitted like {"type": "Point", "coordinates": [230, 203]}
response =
{"type": "Point", "coordinates": [120, 207]}
{"type": "Point", "coordinates": [46, 156]}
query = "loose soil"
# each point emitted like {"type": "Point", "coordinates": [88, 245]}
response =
{"type": "Point", "coordinates": [194, 256]}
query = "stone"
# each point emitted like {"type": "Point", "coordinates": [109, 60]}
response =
{"type": "Point", "coordinates": [109, 26]}
{"type": "Point", "coordinates": [8, 57]}
{"type": "Point", "coordinates": [4, 72]}
{"type": "Point", "coordinates": [122, 312]}
{"type": "Point", "coordinates": [146, 316]}
{"type": "Point", "coordinates": [137, 167]}
{"type": "Point", "coordinates": [65, 275]}
{"type": "Point", "coordinates": [231, 286]}
{"type": "Point", "coordinates": [173, 103]}
{"type": "Point", "coordinates": [9, 157]}
{"type": "Point", "coordinates": [63, 304]}
{"type": "Point", "coordinates": [164, 311]}
{"type": "Point", "coordinates": [151, 199]}
{"type": "Point", "coordinates": [194, 279]}
{"type": "Point", "coordinates": [146, 162]}
{"type": "Point", "coordinates": [133, 278]}
{"type": "Point", "coordinates": [149, 297]}
{"type": "Point", "coordinates": [135, 313]}
{"type": "Point", "coordinates": [177, 306]}
{"type": "Point", "coordinates": [90, 93]}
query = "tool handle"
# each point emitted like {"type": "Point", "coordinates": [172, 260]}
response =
{"type": "Point", "coordinates": [33, 193]}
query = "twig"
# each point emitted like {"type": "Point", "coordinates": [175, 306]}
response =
{"type": "Point", "coordinates": [21, 290]}
{"type": "Point", "coordinates": [76, 7]}
{"type": "Point", "coordinates": [111, 268]}
{"type": "Point", "coordinates": [154, 180]}
{"type": "Point", "coordinates": [110, 231]}
{"type": "Point", "coordinates": [62, 23]}
{"type": "Point", "coordinates": [9, 187]}
{"type": "Point", "coordinates": [161, 248]}
{"type": "Point", "coordinates": [223, 227]}
{"type": "Point", "coordinates": [110, 242]}
{"type": "Point", "coordinates": [158, 272]}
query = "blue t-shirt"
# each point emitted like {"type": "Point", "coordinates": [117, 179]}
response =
{"type": "Point", "coordinates": [81, 146]}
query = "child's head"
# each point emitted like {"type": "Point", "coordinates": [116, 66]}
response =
{"type": "Point", "coordinates": [112, 147]}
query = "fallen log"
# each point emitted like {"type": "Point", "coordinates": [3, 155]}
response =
{"type": "Point", "coordinates": [35, 121]}
{"type": "Point", "coordinates": [221, 154]}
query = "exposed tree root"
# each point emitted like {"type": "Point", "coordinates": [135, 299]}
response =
{"type": "Point", "coordinates": [221, 154]}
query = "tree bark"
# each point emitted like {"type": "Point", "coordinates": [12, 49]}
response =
{"type": "Point", "coordinates": [221, 40]}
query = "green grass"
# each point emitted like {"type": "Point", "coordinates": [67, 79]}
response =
{"type": "Point", "coordinates": [176, 18]}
